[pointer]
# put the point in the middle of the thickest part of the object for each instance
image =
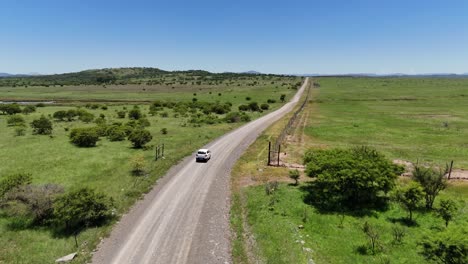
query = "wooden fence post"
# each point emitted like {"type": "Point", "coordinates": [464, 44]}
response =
{"type": "Point", "coordinates": [269, 152]}
{"type": "Point", "coordinates": [279, 150]}
{"type": "Point", "coordinates": [450, 170]}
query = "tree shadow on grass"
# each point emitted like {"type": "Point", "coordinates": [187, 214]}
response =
{"type": "Point", "coordinates": [327, 203]}
{"type": "Point", "coordinates": [403, 221]}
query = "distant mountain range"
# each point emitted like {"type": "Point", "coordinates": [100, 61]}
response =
{"type": "Point", "coordinates": [4, 74]}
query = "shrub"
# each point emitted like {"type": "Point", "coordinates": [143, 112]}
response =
{"type": "Point", "coordinates": [84, 137]}
{"type": "Point", "coordinates": [253, 106]}
{"type": "Point", "coordinates": [20, 131]}
{"type": "Point", "coordinates": [37, 199]}
{"type": "Point", "coordinates": [116, 133]}
{"type": "Point", "coordinates": [138, 165]}
{"type": "Point", "coordinates": [282, 98]}
{"type": "Point", "coordinates": [29, 109]}
{"type": "Point", "coordinates": [271, 101]}
{"type": "Point", "coordinates": [83, 207]}
{"type": "Point", "coordinates": [13, 181]}
{"type": "Point", "coordinates": [60, 115]}
{"type": "Point", "coordinates": [104, 107]}
{"type": "Point", "coordinates": [449, 247]}
{"type": "Point", "coordinates": [139, 137]}
{"type": "Point", "coordinates": [40, 105]}
{"type": "Point", "coordinates": [265, 106]}
{"type": "Point", "coordinates": [248, 98]}
{"type": "Point", "coordinates": [164, 114]}
{"type": "Point", "coordinates": [86, 117]}
{"type": "Point", "coordinates": [16, 120]}
{"type": "Point", "coordinates": [164, 131]}
{"type": "Point", "coordinates": [135, 114]}
{"type": "Point", "coordinates": [243, 108]}
{"type": "Point", "coordinates": [42, 126]}
{"type": "Point", "coordinates": [235, 117]}
{"type": "Point", "coordinates": [121, 114]}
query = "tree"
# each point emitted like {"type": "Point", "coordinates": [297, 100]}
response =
{"type": "Point", "coordinates": [82, 207]}
{"type": "Point", "coordinates": [10, 109]}
{"type": "Point", "coordinates": [447, 210]}
{"type": "Point", "coordinates": [373, 235]}
{"type": "Point", "coordinates": [410, 197]}
{"type": "Point", "coordinates": [432, 180]}
{"type": "Point", "coordinates": [86, 117]}
{"type": "Point", "coordinates": [84, 137]}
{"type": "Point", "coordinates": [449, 247]}
{"type": "Point", "coordinates": [139, 137]}
{"type": "Point", "coordinates": [42, 126]}
{"type": "Point", "coordinates": [116, 133]}
{"type": "Point", "coordinates": [351, 178]}
{"type": "Point", "coordinates": [294, 174]}
{"type": "Point", "coordinates": [282, 98]}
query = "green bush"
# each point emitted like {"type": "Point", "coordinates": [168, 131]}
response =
{"type": "Point", "coordinates": [135, 114]}
{"type": "Point", "coordinates": [235, 117]}
{"type": "Point", "coordinates": [81, 208]}
{"type": "Point", "coordinates": [265, 106]}
{"type": "Point", "coordinates": [139, 137]}
{"type": "Point", "coordinates": [13, 181]}
{"type": "Point", "coordinates": [450, 247]}
{"type": "Point", "coordinates": [116, 133]}
{"type": "Point", "coordinates": [16, 120]}
{"type": "Point", "coordinates": [42, 126]}
{"type": "Point", "coordinates": [29, 109]}
{"type": "Point", "coordinates": [121, 114]}
{"type": "Point", "coordinates": [84, 137]}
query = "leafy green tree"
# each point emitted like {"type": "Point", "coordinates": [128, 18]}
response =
{"type": "Point", "coordinates": [139, 137]}
{"type": "Point", "coordinates": [447, 209]}
{"type": "Point", "coordinates": [294, 174]}
{"type": "Point", "coordinates": [84, 137]}
{"type": "Point", "coordinates": [432, 180]}
{"type": "Point", "coordinates": [350, 178]}
{"type": "Point", "coordinates": [81, 208]}
{"type": "Point", "coordinates": [10, 109]}
{"type": "Point", "coordinates": [264, 106]}
{"type": "Point", "coordinates": [449, 247]}
{"type": "Point", "coordinates": [42, 126]}
{"type": "Point", "coordinates": [253, 106]}
{"type": "Point", "coordinates": [410, 197]}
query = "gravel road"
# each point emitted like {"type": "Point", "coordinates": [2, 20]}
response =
{"type": "Point", "coordinates": [185, 218]}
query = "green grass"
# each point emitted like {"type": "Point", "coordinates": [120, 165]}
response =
{"type": "Point", "coordinates": [405, 118]}
{"type": "Point", "coordinates": [277, 232]}
{"type": "Point", "coordinates": [105, 167]}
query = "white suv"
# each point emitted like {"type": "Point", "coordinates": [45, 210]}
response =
{"type": "Point", "coordinates": [203, 155]}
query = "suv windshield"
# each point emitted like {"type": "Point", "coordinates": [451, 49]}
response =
{"type": "Point", "coordinates": [201, 152]}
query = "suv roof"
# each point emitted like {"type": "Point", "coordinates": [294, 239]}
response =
{"type": "Point", "coordinates": [204, 150]}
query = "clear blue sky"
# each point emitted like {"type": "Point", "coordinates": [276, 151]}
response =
{"type": "Point", "coordinates": [326, 37]}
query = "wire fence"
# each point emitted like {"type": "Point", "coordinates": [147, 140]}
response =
{"type": "Point", "coordinates": [275, 149]}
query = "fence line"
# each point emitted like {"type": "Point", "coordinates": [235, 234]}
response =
{"type": "Point", "coordinates": [274, 151]}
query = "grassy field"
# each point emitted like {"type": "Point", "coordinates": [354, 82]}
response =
{"type": "Point", "coordinates": [106, 167]}
{"type": "Point", "coordinates": [406, 118]}
{"type": "Point", "coordinates": [403, 118]}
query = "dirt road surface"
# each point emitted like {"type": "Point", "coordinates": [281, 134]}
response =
{"type": "Point", "coordinates": [185, 218]}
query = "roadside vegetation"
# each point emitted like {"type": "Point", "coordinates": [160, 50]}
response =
{"type": "Point", "coordinates": [70, 170]}
{"type": "Point", "coordinates": [350, 204]}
